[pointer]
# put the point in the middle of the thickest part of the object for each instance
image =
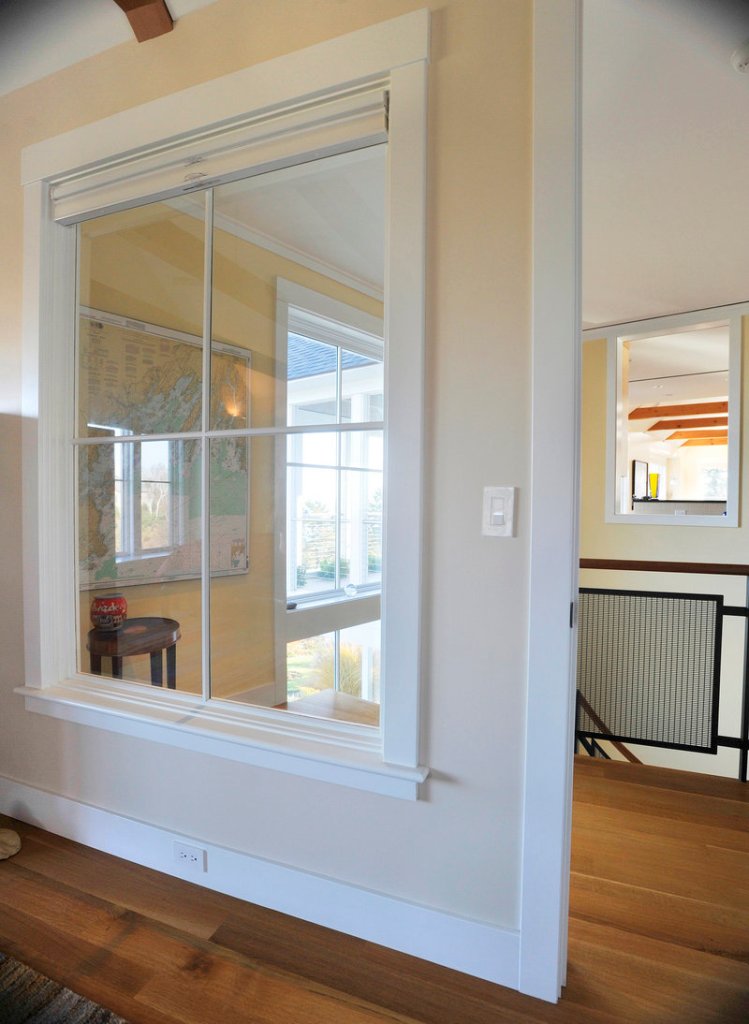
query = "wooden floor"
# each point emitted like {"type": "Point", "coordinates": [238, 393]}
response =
{"type": "Point", "coordinates": [659, 931]}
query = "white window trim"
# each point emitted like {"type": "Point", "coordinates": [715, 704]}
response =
{"type": "Point", "coordinates": [393, 52]}
{"type": "Point", "coordinates": [615, 335]}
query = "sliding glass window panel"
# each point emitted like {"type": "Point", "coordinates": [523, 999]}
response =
{"type": "Point", "coordinates": [242, 582]}
{"type": "Point", "coordinates": [245, 265]}
{"type": "Point", "coordinates": [139, 530]}
{"type": "Point", "coordinates": [295, 517]}
{"type": "Point", "coordinates": [140, 324]}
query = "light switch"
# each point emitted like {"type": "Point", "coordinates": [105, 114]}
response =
{"type": "Point", "coordinates": [498, 514]}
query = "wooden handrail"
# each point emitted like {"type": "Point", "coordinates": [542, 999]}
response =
{"type": "Point", "coordinates": [634, 565]}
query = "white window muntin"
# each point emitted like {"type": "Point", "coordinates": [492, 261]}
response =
{"type": "Point", "coordinates": [393, 52]}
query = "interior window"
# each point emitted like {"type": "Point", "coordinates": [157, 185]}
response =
{"type": "Point", "coordinates": [675, 418]}
{"type": "Point", "coordinates": [238, 484]}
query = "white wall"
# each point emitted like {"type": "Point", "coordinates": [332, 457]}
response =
{"type": "Point", "coordinates": [458, 849]}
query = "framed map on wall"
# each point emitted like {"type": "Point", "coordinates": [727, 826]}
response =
{"type": "Point", "coordinates": [140, 392]}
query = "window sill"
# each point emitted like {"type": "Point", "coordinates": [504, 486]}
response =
{"type": "Point", "coordinates": [635, 519]}
{"type": "Point", "coordinates": [326, 751]}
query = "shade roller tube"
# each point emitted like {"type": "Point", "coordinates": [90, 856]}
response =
{"type": "Point", "coordinates": [267, 143]}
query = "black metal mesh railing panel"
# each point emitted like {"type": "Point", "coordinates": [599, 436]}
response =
{"type": "Point", "coordinates": [648, 667]}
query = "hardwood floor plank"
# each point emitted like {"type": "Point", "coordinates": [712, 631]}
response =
{"type": "Point", "coordinates": [674, 866]}
{"type": "Point", "coordinates": [661, 778]}
{"type": "Point", "coordinates": [650, 980]}
{"type": "Point", "coordinates": [64, 957]}
{"type": "Point", "coordinates": [216, 992]}
{"type": "Point", "coordinates": [681, 806]}
{"type": "Point", "coordinates": [614, 820]}
{"type": "Point", "coordinates": [196, 910]}
{"type": "Point", "coordinates": [699, 924]}
{"type": "Point", "coordinates": [402, 984]}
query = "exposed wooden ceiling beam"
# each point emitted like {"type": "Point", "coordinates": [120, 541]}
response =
{"type": "Point", "coordinates": [704, 442]}
{"type": "Point", "coordinates": [680, 435]}
{"type": "Point", "coordinates": [148, 18]}
{"type": "Point", "coordinates": [649, 412]}
{"type": "Point", "coordinates": [708, 421]}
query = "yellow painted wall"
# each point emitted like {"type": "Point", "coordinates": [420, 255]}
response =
{"type": "Point", "coordinates": [147, 263]}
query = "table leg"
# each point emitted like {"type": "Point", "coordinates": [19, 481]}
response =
{"type": "Point", "coordinates": [117, 668]}
{"type": "Point", "coordinates": [156, 669]}
{"type": "Point", "coordinates": [171, 667]}
{"type": "Point", "coordinates": [96, 664]}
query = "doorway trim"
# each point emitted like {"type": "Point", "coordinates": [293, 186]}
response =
{"type": "Point", "coordinates": [556, 326]}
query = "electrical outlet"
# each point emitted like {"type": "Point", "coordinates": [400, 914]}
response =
{"type": "Point", "coordinates": [193, 857]}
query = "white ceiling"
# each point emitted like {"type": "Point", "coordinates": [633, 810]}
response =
{"type": "Point", "coordinates": [679, 367]}
{"type": "Point", "coordinates": [39, 37]}
{"type": "Point", "coordinates": [331, 212]}
{"type": "Point", "coordinates": [665, 157]}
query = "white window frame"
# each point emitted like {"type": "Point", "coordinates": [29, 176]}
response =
{"type": "Point", "coordinates": [393, 55]}
{"type": "Point", "coordinates": [615, 336]}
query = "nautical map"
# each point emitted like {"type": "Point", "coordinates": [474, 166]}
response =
{"type": "Point", "coordinates": [139, 502]}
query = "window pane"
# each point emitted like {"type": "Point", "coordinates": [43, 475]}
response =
{"type": "Point", "coordinates": [361, 528]}
{"type": "Point", "coordinates": [362, 449]}
{"type": "Point", "coordinates": [242, 531]}
{"type": "Point", "coordinates": [312, 387]}
{"type": "Point", "coordinates": [672, 450]}
{"type": "Point", "coordinates": [360, 661]}
{"type": "Point", "coordinates": [361, 387]}
{"type": "Point", "coordinates": [141, 539]}
{"type": "Point", "coordinates": [310, 666]}
{"type": "Point", "coordinates": [311, 503]}
{"type": "Point", "coordinates": [313, 449]}
{"type": "Point", "coordinates": [141, 320]}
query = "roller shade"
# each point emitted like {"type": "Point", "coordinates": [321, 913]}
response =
{"type": "Point", "coordinates": [266, 143]}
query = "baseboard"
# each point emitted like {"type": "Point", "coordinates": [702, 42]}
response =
{"type": "Point", "coordinates": [473, 947]}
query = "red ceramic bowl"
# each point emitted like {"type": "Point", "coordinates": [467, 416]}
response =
{"type": "Point", "coordinates": [108, 611]}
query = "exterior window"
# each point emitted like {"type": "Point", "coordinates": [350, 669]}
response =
{"type": "Point", "coordinates": [334, 491]}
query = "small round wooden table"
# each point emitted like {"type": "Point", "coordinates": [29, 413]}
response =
{"type": "Point", "coordinates": [150, 635]}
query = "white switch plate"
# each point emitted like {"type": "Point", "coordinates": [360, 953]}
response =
{"type": "Point", "coordinates": [498, 515]}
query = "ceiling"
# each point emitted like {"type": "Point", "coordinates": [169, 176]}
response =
{"type": "Point", "coordinates": [683, 366]}
{"type": "Point", "coordinates": [665, 158]}
{"type": "Point", "coordinates": [330, 212]}
{"type": "Point", "coordinates": [39, 37]}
